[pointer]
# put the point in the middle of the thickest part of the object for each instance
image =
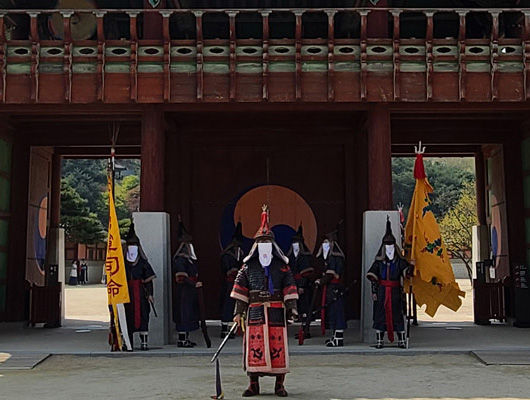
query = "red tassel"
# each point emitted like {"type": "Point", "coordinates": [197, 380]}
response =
{"type": "Point", "coordinates": [419, 170]}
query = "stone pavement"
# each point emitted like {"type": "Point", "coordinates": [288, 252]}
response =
{"type": "Point", "coordinates": [316, 377]}
{"type": "Point", "coordinates": [451, 360]}
{"type": "Point", "coordinates": [85, 332]}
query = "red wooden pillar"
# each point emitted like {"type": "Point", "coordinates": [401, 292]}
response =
{"type": "Point", "coordinates": [153, 25]}
{"type": "Point", "coordinates": [55, 203]}
{"type": "Point", "coordinates": [480, 179]}
{"type": "Point", "coordinates": [378, 21]}
{"type": "Point", "coordinates": [379, 158]}
{"type": "Point", "coordinates": [17, 289]}
{"type": "Point", "coordinates": [153, 159]}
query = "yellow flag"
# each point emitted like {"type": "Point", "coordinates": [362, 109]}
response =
{"type": "Point", "coordinates": [433, 282]}
{"type": "Point", "coordinates": [117, 290]}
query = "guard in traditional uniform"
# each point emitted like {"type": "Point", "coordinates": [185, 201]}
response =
{"type": "Point", "coordinates": [186, 307]}
{"type": "Point", "coordinates": [301, 263]}
{"type": "Point", "coordinates": [266, 291]}
{"type": "Point", "coordinates": [231, 261]}
{"type": "Point", "coordinates": [332, 314]}
{"type": "Point", "coordinates": [140, 277]}
{"type": "Point", "coordinates": [386, 274]}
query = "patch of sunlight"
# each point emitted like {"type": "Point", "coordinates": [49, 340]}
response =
{"type": "Point", "coordinates": [4, 357]}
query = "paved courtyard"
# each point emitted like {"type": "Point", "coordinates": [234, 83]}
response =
{"type": "Point", "coordinates": [313, 377]}
{"type": "Point", "coordinates": [450, 358]}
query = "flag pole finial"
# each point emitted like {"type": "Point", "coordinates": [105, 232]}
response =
{"type": "Point", "coordinates": [419, 149]}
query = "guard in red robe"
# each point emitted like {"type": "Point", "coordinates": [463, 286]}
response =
{"type": "Point", "coordinates": [140, 277]}
{"type": "Point", "coordinates": [386, 275]}
{"type": "Point", "coordinates": [265, 290]}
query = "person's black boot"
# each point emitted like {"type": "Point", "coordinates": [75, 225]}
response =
{"type": "Point", "coordinates": [379, 339]}
{"type": "Point", "coordinates": [224, 330]}
{"type": "Point", "coordinates": [337, 340]}
{"type": "Point", "coordinates": [279, 389]}
{"type": "Point", "coordinates": [253, 387]}
{"type": "Point", "coordinates": [402, 340]}
{"type": "Point", "coordinates": [143, 342]}
{"type": "Point", "coordinates": [193, 344]}
{"type": "Point", "coordinates": [183, 340]}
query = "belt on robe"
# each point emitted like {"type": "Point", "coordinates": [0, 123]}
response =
{"type": "Point", "coordinates": [388, 285]}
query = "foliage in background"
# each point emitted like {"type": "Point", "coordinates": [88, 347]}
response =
{"type": "Point", "coordinates": [124, 199]}
{"type": "Point", "coordinates": [456, 226]}
{"type": "Point", "coordinates": [80, 225]}
{"type": "Point", "coordinates": [88, 178]}
{"type": "Point", "coordinates": [448, 176]}
{"type": "Point", "coordinates": [88, 181]}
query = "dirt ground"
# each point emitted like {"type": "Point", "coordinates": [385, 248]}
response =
{"type": "Point", "coordinates": [331, 377]}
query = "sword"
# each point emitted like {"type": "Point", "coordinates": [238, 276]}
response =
{"type": "Point", "coordinates": [303, 332]}
{"type": "Point", "coordinates": [232, 332]}
{"type": "Point", "coordinates": [204, 328]}
{"type": "Point", "coordinates": [153, 307]}
{"type": "Point", "coordinates": [337, 297]}
{"type": "Point", "coordinates": [151, 303]}
{"type": "Point", "coordinates": [409, 316]}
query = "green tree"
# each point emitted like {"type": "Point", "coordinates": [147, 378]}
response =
{"type": "Point", "coordinates": [448, 176]}
{"type": "Point", "coordinates": [456, 226]}
{"type": "Point", "coordinates": [88, 178]}
{"type": "Point", "coordinates": [125, 197]}
{"type": "Point", "coordinates": [80, 225]}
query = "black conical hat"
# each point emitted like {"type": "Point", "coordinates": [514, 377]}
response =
{"type": "Point", "coordinates": [183, 235]}
{"type": "Point", "coordinates": [131, 237]}
{"type": "Point", "coordinates": [238, 233]}
{"type": "Point", "coordinates": [389, 237]}
{"type": "Point", "coordinates": [333, 236]}
{"type": "Point", "coordinates": [299, 235]}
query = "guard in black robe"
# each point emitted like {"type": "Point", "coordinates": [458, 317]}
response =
{"type": "Point", "coordinates": [186, 298]}
{"type": "Point", "coordinates": [386, 274]}
{"type": "Point", "coordinates": [301, 263]}
{"type": "Point", "coordinates": [332, 315]}
{"type": "Point", "coordinates": [265, 290]}
{"type": "Point", "coordinates": [231, 261]}
{"type": "Point", "coordinates": [140, 277]}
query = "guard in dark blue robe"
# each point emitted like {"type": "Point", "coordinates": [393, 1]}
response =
{"type": "Point", "coordinates": [332, 315]}
{"type": "Point", "coordinates": [186, 298]}
{"type": "Point", "coordinates": [301, 263]}
{"type": "Point", "coordinates": [231, 262]}
{"type": "Point", "coordinates": [386, 274]}
{"type": "Point", "coordinates": [140, 277]}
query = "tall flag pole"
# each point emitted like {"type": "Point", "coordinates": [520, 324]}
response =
{"type": "Point", "coordinates": [117, 289]}
{"type": "Point", "coordinates": [433, 282]}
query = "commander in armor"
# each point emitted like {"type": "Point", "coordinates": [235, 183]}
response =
{"type": "Point", "coordinates": [265, 290]}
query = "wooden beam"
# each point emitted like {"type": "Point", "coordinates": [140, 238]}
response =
{"type": "Point", "coordinates": [17, 287]}
{"type": "Point", "coordinates": [153, 26]}
{"type": "Point", "coordinates": [153, 160]}
{"type": "Point", "coordinates": [407, 150]}
{"type": "Point", "coordinates": [379, 158]}
{"type": "Point", "coordinates": [480, 181]}
{"type": "Point", "coordinates": [98, 152]}
{"type": "Point", "coordinates": [55, 197]}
